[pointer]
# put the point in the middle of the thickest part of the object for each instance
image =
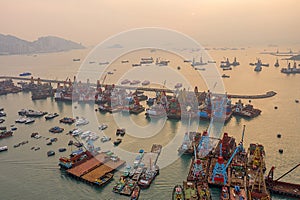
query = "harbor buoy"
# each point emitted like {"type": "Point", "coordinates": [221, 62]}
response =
{"type": "Point", "coordinates": [178, 67]}
{"type": "Point", "coordinates": [275, 107]}
{"type": "Point", "coordinates": [280, 150]}
{"type": "Point", "coordinates": [297, 101]}
{"type": "Point", "coordinates": [279, 135]}
{"type": "Point", "coordinates": [96, 109]}
{"type": "Point", "coordinates": [249, 100]}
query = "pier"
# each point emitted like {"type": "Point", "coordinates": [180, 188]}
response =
{"type": "Point", "coordinates": [94, 168]}
{"type": "Point", "coordinates": [148, 89]}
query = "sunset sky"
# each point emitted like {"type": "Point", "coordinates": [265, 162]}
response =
{"type": "Point", "coordinates": [210, 22]}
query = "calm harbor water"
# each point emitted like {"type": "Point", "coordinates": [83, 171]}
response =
{"type": "Point", "coordinates": [28, 174]}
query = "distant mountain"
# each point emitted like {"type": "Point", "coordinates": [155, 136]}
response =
{"type": "Point", "coordinates": [12, 45]}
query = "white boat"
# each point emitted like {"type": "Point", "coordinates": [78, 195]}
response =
{"type": "Point", "coordinates": [3, 148]}
{"type": "Point", "coordinates": [81, 121]}
{"type": "Point", "coordinates": [29, 121]}
{"type": "Point", "coordinates": [76, 132]}
{"type": "Point", "coordinates": [105, 139]}
{"type": "Point", "coordinates": [85, 134]}
{"type": "Point", "coordinates": [103, 126]}
{"type": "Point", "coordinates": [21, 120]}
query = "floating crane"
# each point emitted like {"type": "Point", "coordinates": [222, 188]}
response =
{"type": "Point", "coordinates": [280, 187]}
{"type": "Point", "coordinates": [220, 169]}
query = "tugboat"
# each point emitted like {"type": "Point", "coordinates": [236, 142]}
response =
{"type": "Point", "coordinates": [178, 193]}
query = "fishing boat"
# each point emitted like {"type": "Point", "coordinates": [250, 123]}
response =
{"type": "Point", "coordinates": [178, 193]}
{"type": "Point", "coordinates": [224, 193]}
{"type": "Point", "coordinates": [33, 113]}
{"type": "Point", "coordinates": [104, 179]}
{"type": "Point", "coordinates": [135, 193]}
{"type": "Point", "coordinates": [190, 190]}
{"type": "Point", "coordinates": [3, 148]}
{"type": "Point", "coordinates": [51, 116]}
{"type": "Point", "coordinates": [117, 141]}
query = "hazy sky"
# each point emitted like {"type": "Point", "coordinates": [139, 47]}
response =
{"type": "Point", "coordinates": [210, 22]}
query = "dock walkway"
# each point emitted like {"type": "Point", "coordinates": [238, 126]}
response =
{"type": "Point", "coordinates": [149, 89]}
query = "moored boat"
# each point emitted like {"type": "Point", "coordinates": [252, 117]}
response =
{"type": "Point", "coordinates": [104, 179]}
{"type": "Point", "coordinates": [135, 193]}
{"type": "Point", "coordinates": [50, 153]}
{"type": "Point", "coordinates": [117, 141]}
{"type": "Point", "coordinates": [5, 134]}
{"type": "Point", "coordinates": [178, 193]}
{"type": "Point", "coordinates": [3, 148]}
{"type": "Point", "coordinates": [51, 116]}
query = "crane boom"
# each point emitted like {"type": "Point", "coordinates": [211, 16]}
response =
{"type": "Point", "coordinates": [288, 172]}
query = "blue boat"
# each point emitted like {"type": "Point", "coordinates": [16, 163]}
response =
{"type": "Point", "coordinates": [25, 74]}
